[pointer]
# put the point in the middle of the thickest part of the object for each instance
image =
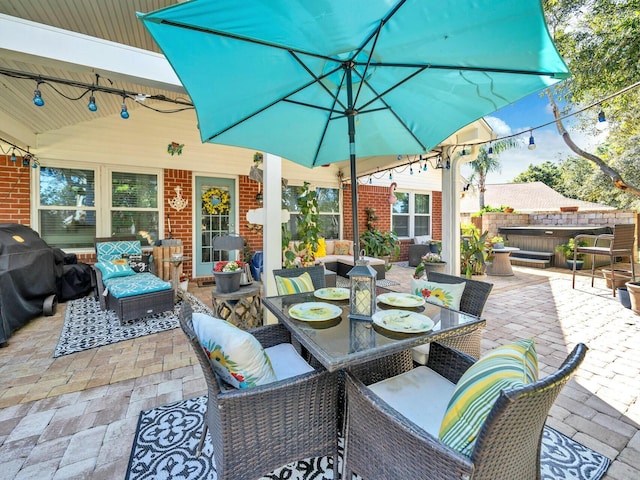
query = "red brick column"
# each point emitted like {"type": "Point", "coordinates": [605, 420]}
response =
{"type": "Point", "coordinates": [15, 184]}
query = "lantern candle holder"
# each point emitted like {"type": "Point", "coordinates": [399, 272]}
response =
{"type": "Point", "coordinates": [363, 290]}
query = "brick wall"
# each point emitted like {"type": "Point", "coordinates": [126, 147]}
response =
{"type": "Point", "coordinates": [181, 221]}
{"type": "Point", "coordinates": [247, 201]}
{"type": "Point", "coordinates": [14, 191]}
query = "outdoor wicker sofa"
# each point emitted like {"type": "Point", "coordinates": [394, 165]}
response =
{"type": "Point", "coordinates": [131, 297]}
{"type": "Point", "coordinates": [383, 443]}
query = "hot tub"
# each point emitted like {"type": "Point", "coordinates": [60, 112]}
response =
{"type": "Point", "coordinates": [545, 238]}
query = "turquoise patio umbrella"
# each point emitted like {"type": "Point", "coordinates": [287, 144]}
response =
{"type": "Point", "coordinates": [322, 81]}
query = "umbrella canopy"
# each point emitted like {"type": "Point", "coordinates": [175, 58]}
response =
{"type": "Point", "coordinates": [320, 81]}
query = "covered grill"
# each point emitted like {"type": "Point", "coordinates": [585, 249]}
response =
{"type": "Point", "coordinates": [33, 276]}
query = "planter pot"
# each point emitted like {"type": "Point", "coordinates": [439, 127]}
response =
{"type": "Point", "coordinates": [227, 282]}
{"type": "Point", "coordinates": [568, 209]}
{"type": "Point", "coordinates": [498, 246]}
{"type": "Point", "coordinates": [184, 285]}
{"type": "Point", "coordinates": [634, 295]}
{"type": "Point", "coordinates": [623, 296]}
{"type": "Point", "coordinates": [434, 248]}
{"type": "Point", "coordinates": [622, 277]}
{"type": "Point", "coordinates": [579, 264]}
{"type": "Point", "coordinates": [508, 210]}
{"type": "Point", "coordinates": [433, 267]}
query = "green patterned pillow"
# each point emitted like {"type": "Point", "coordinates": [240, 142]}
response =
{"type": "Point", "coordinates": [508, 366]}
{"type": "Point", "coordinates": [288, 286]}
{"type": "Point", "coordinates": [235, 355]}
{"type": "Point", "coordinates": [445, 294]}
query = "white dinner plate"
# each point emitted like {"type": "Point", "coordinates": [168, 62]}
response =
{"type": "Point", "coordinates": [403, 321]}
{"type": "Point", "coordinates": [405, 300]}
{"type": "Point", "coordinates": [314, 311]}
{"type": "Point", "coordinates": [332, 293]}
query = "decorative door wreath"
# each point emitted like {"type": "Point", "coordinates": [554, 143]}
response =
{"type": "Point", "coordinates": [216, 201]}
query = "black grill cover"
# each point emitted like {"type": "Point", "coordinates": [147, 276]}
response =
{"type": "Point", "coordinates": [28, 273]}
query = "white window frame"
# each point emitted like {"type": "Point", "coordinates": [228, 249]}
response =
{"type": "Point", "coordinates": [412, 215]}
{"type": "Point", "coordinates": [103, 205]}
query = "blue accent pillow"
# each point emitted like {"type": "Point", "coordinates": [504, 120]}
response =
{"type": "Point", "coordinates": [114, 269]}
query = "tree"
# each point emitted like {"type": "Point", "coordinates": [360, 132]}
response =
{"type": "Point", "coordinates": [599, 41]}
{"type": "Point", "coordinates": [486, 163]}
{"type": "Point", "coordinates": [547, 173]}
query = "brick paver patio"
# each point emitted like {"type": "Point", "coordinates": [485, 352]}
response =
{"type": "Point", "coordinates": [75, 416]}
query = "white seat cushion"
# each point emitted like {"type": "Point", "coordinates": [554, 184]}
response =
{"type": "Point", "coordinates": [420, 354]}
{"type": "Point", "coordinates": [286, 361]}
{"type": "Point", "coordinates": [421, 395]}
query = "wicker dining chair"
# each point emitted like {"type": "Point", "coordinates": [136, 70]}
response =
{"type": "Point", "coordinates": [316, 273]}
{"type": "Point", "coordinates": [381, 443]}
{"type": "Point", "coordinates": [259, 429]}
{"type": "Point", "coordinates": [474, 298]}
{"type": "Point", "coordinates": [620, 243]}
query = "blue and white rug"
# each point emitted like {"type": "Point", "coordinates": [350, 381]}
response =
{"type": "Point", "coordinates": [167, 437]}
{"type": "Point", "coordinates": [87, 326]}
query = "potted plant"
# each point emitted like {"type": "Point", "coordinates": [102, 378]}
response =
{"type": "Point", "coordinates": [228, 274]}
{"type": "Point", "coordinates": [567, 250]}
{"type": "Point", "coordinates": [379, 244]}
{"type": "Point", "coordinates": [497, 242]}
{"type": "Point", "coordinates": [435, 246]}
{"type": "Point", "coordinates": [430, 262]}
{"type": "Point", "coordinates": [307, 230]}
{"type": "Point", "coordinates": [473, 253]}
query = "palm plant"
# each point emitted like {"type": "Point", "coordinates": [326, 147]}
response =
{"type": "Point", "coordinates": [487, 162]}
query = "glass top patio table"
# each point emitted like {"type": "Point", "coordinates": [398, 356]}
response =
{"type": "Point", "coordinates": [344, 342]}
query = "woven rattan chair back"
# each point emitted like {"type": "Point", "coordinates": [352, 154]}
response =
{"type": "Point", "coordinates": [316, 273]}
{"type": "Point", "coordinates": [618, 244]}
{"type": "Point", "coordinates": [475, 293]}
{"type": "Point", "coordinates": [259, 429]}
{"type": "Point", "coordinates": [382, 443]}
{"type": "Point", "coordinates": [473, 299]}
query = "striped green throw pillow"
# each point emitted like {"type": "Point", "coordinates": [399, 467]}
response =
{"type": "Point", "coordinates": [287, 286]}
{"type": "Point", "coordinates": [509, 366]}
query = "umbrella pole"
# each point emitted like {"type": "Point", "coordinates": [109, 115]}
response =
{"type": "Point", "coordinates": [351, 123]}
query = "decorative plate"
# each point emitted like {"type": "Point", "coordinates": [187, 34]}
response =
{"type": "Point", "coordinates": [405, 300]}
{"type": "Point", "coordinates": [314, 311]}
{"type": "Point", "coordinates": [403, 321]}
{"type": "Point", "coordinates": [332, 293]}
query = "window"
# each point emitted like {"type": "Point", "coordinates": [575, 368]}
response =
{"type": "Point", "coordinates": [328, 208]}
{"type": "Point", "coordinates": [73, 209]}
{"type": "Point", "coordinates": [67, 212]}
{"type": "Point", "coordinates": [134, 205]}
{"type": "Point", "coordinates": [411, 214]}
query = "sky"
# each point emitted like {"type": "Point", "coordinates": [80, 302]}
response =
{"type": "Point", "coordinates": [523, 116]}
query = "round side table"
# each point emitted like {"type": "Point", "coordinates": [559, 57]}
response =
{"type": "Point", "coordinates": [242, 308]}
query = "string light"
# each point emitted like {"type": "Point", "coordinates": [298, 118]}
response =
{"type": "Point", "coordinates": [27, 157]}
{"type": "Point", "coordinates": [124, 114]}
{"type": "Point", "coordinates": [38, 101]}
{"type": "Point", "coordinates": [490, 152]}
{"type": "Point", "coordinates": [532, 143]}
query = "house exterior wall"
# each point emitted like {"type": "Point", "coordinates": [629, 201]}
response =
{"type": "Point", "coordinates": [14, 191]}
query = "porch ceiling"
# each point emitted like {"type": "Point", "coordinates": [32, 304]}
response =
{"type": "Point", "coordinates": [108, 40]}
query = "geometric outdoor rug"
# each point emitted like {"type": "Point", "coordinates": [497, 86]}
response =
{"type": "Point", "coordinates": [87, 326]}
{"type": "Point", "coordinates": [167, 437]}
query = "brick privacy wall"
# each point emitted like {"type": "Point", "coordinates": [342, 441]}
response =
{"type": "Point", "coordinates": [368, 196]}
{"type": "Point", "coordinates": [492, 221]}
{"type": "Point", "coordinates": [14, 191]}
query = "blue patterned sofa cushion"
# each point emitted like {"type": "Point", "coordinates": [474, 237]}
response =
{"type": "Point", "coordinates": [114, 250]}
{"type": "Point", "coordinates": [137, 284]}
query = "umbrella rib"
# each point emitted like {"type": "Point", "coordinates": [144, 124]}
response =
{"type": "Point", "coordinates": [318, 79]}
{"type": "Point", "coordinates": [284, 98]}
{"type": "Point", "coordinates": [240, 38]}
{"type": "Point", "coordinates": [461, 67]}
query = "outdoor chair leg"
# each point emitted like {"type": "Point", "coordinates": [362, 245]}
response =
{"type": "Point", "coordinates": [205, 430]}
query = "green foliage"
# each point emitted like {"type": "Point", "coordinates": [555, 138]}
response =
{"type": "Point", "coordinates": [377, 243]}
{"type": "Point", "coordinates": [567, 249]}
{"type": "Point", "coordinates": [473, 253]}
{"type": "Point", "coordinates": [489, 209]}
{"type": "Point", "coordinates": [307, 223]}
{"type": "Point", "coordinates": [547, 173]}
